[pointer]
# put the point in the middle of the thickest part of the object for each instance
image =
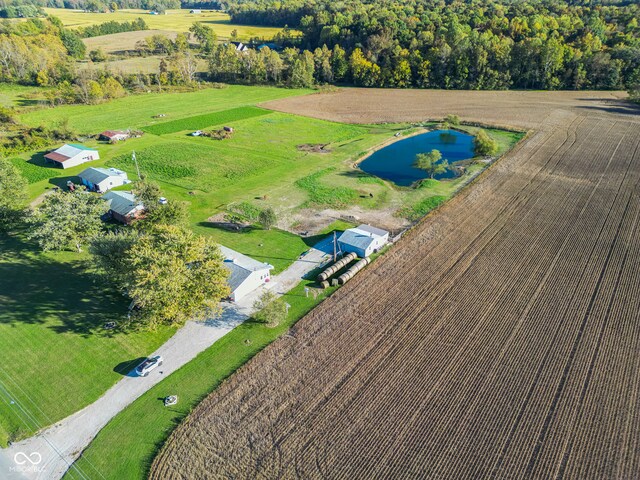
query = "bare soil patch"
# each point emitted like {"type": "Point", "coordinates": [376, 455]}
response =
{"type": "Point", "coordinates": [314, 148]}
{"type": "Point", "coordinates": [517, 109]}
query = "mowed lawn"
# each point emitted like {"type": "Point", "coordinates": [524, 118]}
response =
{"type": "Point", "coordinates": [56, 355]}
{"type": "Point", "coordinates": [135, 111]}
{"type": "Point", "coordinates": [174, 20]}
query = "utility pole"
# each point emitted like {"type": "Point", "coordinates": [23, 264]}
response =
{"type": "Point", "coordinates": [135, 160]}
{"type": "Point", "coordinates": [335, 248]}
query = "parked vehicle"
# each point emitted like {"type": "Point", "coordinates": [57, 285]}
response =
{"type": "Point", "coordinates": [148, 365]}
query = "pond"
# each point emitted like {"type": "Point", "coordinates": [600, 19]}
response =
{"type": "Point", "coordinates": [395, 161]}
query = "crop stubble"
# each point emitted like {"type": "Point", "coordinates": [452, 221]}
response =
{"type": "Point", "coordinates": [498, 339]}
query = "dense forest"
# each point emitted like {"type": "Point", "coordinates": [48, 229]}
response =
{"type": "Point", "coordinates": [478, 44]}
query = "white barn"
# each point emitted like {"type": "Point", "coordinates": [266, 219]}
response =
{"type": "Point", "coordinates": [72, 155]}
{"type": "Point", "coordinates": [246, 274]}
{"type": "Point", "coordinates": [363, 240]}
{"type": "Point", "coordinates": [103, 179]}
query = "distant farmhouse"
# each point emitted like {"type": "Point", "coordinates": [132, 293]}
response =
{"type": "Point", "coordinates": [363, 240]}
{"type": "Point", "coordinates": [114, 135]}
{"type": "Point", "coordinates": [71, 155]}
{"type": "Point", "coordinates": [103, 179]}
{"type": "Point", "coordinates": [240, 47]}
{"type": "Point", "coordinates": [246, 274]}
{"type": "Point", "coordinates": [123, 206]}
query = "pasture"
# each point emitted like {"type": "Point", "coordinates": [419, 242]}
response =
{"type": "Point", "coordinates": [174, 20]}
{"type": "Point", "coordinates": [497, 339]}
{"type": "Point", "coordinates": [125, 41]}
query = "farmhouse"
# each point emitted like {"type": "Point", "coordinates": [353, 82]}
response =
{"type": "Point", "coordinates": [246, 274]}
{"type": "Point", "coordinates": [123, 206]}
{"type": "Point", "coordinates": [240, 47]}
{"type": "Point", "coordinates": [71, 155]}
{"type": "Point", "coordinates": [114, 135]}
{"type": "Point", "coordinates": [103, 179]}
{"type": "Point", "coordinates": [363, 240]}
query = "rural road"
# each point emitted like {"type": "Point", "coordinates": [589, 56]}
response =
{"type": "Point", "coordinates": [50, 453]}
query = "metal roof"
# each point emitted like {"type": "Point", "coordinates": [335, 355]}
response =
{"type": "Point", "coordinates": [240, 266]}
{"type": "Point", "coordinates": [362, 236]}
{"type": "Point", "coordinates": [96, 175]}
{"type": "Point", "coordinates": [68, 150]}
{"type": "Point", "coordinates": [122, 202]}
{"type": "Point", "coordinates": [376, 231]}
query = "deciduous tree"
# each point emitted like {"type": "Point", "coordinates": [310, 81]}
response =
{"type": "Point", "coordinates": [66, 220]}
{"type": "Point", "coordinates": [270, 309]}
{"type": "Point", "coordinates": [430, 163]}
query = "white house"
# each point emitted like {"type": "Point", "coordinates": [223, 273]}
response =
{"type": "Point", "coordinates": [363, 240]}
{"type": "Point", "coordinates": [71, 155]}
{"type": "Point", "coordinates": [103, 179]}
{"type": "Point", "coordinates": [246, 274]}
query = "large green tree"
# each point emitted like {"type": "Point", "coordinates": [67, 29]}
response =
{"type": "Point", "coordinates": [66, 220]}
{"type": "Point", "coordinates": [170, 274]}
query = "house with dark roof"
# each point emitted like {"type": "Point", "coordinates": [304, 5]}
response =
{"type": "Point", "coordinates": [102, 179]}
{"type": "Point", "coordinates": [71, 155]}
{"type": "Point", "coordinates": [245, 273]}
{"type": "Point", "coordinates": [363, 240]}
{"type": "Point", "coordinates": [123, 206]}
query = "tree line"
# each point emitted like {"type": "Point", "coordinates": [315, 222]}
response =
{"type": "Point", "coordinates": [485, 44]}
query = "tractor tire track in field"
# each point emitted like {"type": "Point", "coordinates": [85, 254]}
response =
{"type": "Point", "coordinates": [498, 339]}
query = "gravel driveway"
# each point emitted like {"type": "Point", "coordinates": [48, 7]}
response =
{"type": "Point", "coordinates": [50, 453]}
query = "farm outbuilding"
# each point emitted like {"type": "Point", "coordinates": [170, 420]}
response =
{"type": "Point", "coordinates": [103, 179]}
{"type": "Point", "coordinates": [71, 155]}
{"type": "Point", "coordinates": [114, 135]}
{"type": "Point", "coordinates": [123, 206]}
{"type": "Point", "coordinates": [363, 240]}
{"type": "Point", "coordinates": [246, 274]}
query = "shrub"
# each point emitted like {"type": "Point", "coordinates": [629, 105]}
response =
{"type": "Point", "coordinates": [484, 145]}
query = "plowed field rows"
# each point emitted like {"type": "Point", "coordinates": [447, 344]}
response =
{"type": "Point", "coordinates": [499, 339]}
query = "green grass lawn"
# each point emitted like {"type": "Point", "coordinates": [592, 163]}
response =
{"type": "Point", "coordinates": [206, 120]}
{"type": "Point", "coordinates": [135, 111]}
{"type": "Point", "coordinates": [126, 447]}
{"type": "Point", "coordinates": [56, 355]}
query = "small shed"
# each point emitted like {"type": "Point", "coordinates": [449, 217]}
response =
{"type": "Point", "coordinates": [195, 10]}
{"type": "Point", "coordinates": [103, 179]}
{"type": "Point", "coordinates": [363, 240]}
{"type": "Point", "coordinates": [245, 273]}
{"type": "Point", "coordinates": [71, 155]}
{"type": "Point", "coordinates": [123, 206]}
{"type": "Point", "coordinates": [114, 135]}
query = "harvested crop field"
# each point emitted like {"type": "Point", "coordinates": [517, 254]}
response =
{"type": "Point", "coordinates": [498, 339]}
{"type": "Point", "coordinates": [506, 109]}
